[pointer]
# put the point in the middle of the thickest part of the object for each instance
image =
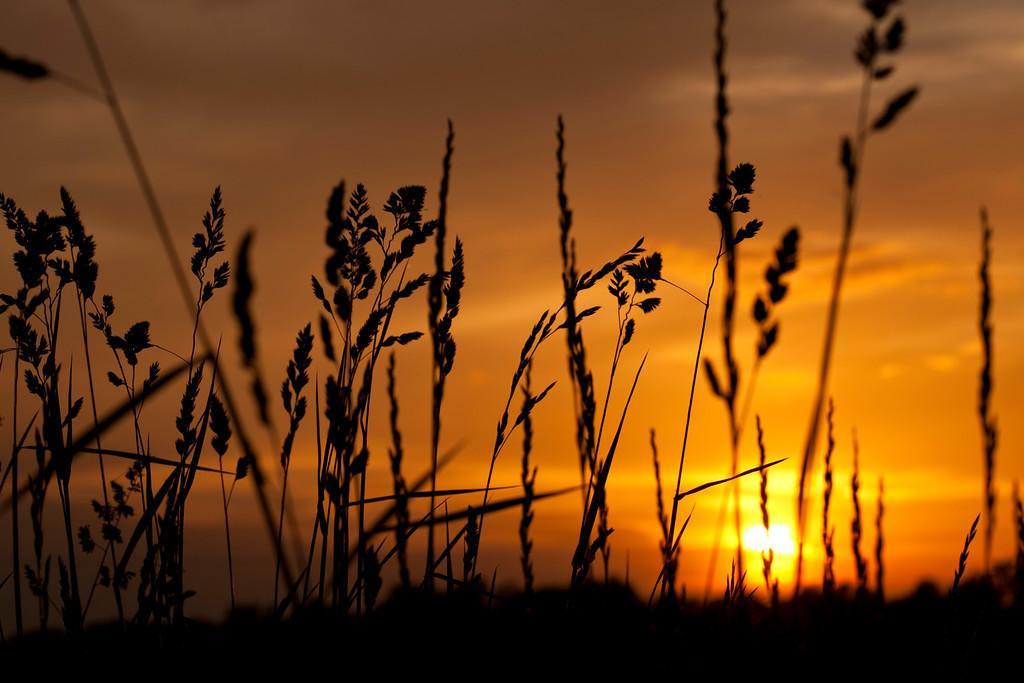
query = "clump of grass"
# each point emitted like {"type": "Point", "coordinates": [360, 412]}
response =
{"type": "Point", "coordinates": [353, 276]}
{"type": "Point", "coordinates": [588, 433]}
{"type": "Point", "coordinates": [856, 524]}
{"type": "Point", "coordinates": [827, 530]}
{"type": "Point", "coordinates": [586, 550]}
{"type": "Point", "coordinates": [54, 252]}
{"type": "Point", "coordinates": [989, 431]}
{"type": "Point", "coordinates": [643, 274]}
{"type": "Point", "coordinates": [735, 595]}
{"type": "Point", "coordinates": [882, 40]}
{"type": "Point", "coordinates": [627, 283]}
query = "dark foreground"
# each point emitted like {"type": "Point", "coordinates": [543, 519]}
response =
{"type": "Point", "coordinates": [977, 635]}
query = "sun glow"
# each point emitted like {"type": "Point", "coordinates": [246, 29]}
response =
{"type": "Point", "coordinates": [778, 538]}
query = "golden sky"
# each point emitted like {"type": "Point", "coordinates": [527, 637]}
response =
{"type": "Point", "coordinates": [275, 102]}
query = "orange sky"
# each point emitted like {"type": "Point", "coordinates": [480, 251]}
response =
{"type": "Point", "coordinates": [276, 102]}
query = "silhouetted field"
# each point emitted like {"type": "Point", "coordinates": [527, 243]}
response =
{"type": "Point", "coordinates": [598, 630]}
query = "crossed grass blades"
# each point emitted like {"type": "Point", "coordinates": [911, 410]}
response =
{"type": "Point", "coordinates": [369, 271]}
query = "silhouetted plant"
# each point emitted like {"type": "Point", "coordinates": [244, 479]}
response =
{"type": "Point", "coordinates": [353, 278]}
{"type": "Point", "coordinates": [989, 431]}
{"type": "Point", "coordinates": [594, 470]}
{"type": "Point", "coordinates": [528, 478]}
{"type": "Point", "coordinates": [768, 554]}
{"type": "Point", "coordinates": [961, 567]}
{"type": "Point", "coordinates": [669, 554]}
{"type": "Point", "coordinates": [735, 595]}
{"type": "Point", "coordinates": [732, 197]}
{"type": "Point", "coordinates": [53, 254]}
{"type": "Point", "coordinates": [39, 578]}
{"type": "Point", "coordinates": [827, 530]}
{"type": "Point", "coordinates": [856, 526]}
{"type": "Point", "coordinates": [639, 277]}
{"type": "Point", "coordinates": [541, 331]}
{"type": "Point", "coordinates": [295, 406]}
{"type": "Point", "coordinates": [442, 309]}
{"type": "Point", "coordinates": [883, 38]}
{"type": "Point", "coordinates": [220, 425]}
{"type": "Point", "coordinates": [241, 300]}
{"type": "Point", "coordinates": [110, 516]}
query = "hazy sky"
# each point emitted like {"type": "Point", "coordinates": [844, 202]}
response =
{"type": "Point", "coordinates": [278, 101]}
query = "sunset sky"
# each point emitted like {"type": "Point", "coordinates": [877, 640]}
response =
{"type": "Point", "coordinates": [276, 102]}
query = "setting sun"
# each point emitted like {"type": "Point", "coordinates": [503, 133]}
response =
{"type": "Point", "coordinates": [778, 537]}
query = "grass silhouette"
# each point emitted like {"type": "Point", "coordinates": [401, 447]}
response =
{"type": "Point", "coordinates": [335, 589]}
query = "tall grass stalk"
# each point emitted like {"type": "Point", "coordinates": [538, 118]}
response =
{"type": "Point", "coordinates": [856, 525]}
{"type": "Point", "coordinates": [295, 406]}
{"type": "Point", "coordinates": [767, 556]}
{"type": "Point", "coordinates": [828, 581]}
{"type": "Point", "coordinates": [729, 390]}
{"type": "Point", "coordinates": [396, 455]}
{"type": "Point", "coordinates": [15, 533]}
{"type": "Point", "coordinates": [528, 479]}
{"type": "Point", "coordinates": [989, 431]}
{"type": "Point", "coordinates": [668, 554]}
{"type": "Point", "coordinates": [961, 567]}
{"type": "Point", "coordinates": [883, 36]}
{"type": "Point", "coordinates": [689, 410]}
{"type": "Point", "coordinates": [435, 297]}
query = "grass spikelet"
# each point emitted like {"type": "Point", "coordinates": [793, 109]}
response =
{"type": "Point", "coordinates": [528, 478]}
{"type": "Point", "coordinates": [856, 524]}
{"type": "Point", "coordinates": [220, 425]}
{"type": "Point", "coordinates": [767, 556]}
{"type": "Point", "coordinates": [827, 530]}
{"type": "Point", "coordinates": [989, 431]}
{"type": "Point", "coordinates": [241, 302]}
{"type": "Point", "coordinates": [961, 568]}
{"type": "Point", "coordinates": [668, 553]}
{"type": "Point", "coordinates": [294, 404]}
{"type": "Point", "coordinates": [585, 406]}
{"type": "Point", "coordinates": [395, 455]}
